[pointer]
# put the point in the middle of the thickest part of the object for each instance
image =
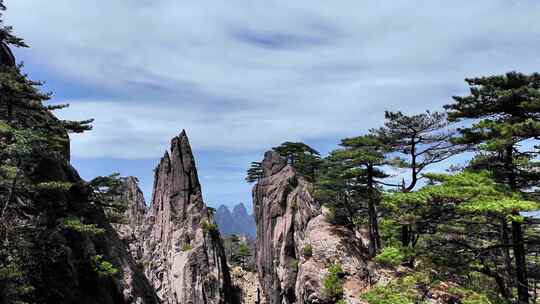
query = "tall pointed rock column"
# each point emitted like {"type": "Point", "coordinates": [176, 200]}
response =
{"type": "Point", "coordinates": [183, 251]}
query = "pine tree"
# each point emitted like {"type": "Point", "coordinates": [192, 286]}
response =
{"type": "Point", "coordinates": [6, 39]}
{"type": "Point", "coordinates": [106, 191]}
{"type": "Point", "coordinates": [242, 252]}
{"type": "Point", "coordinates": [30, 137]}
{"type": "Point", "coordinates": [352, 177]}
{"type": "Point", "coordinates": [505, 111]}
{"type": "Point", "coordinates": [421, 140]}
{"type": "Point", "coordinates": [254, 173]}
{"type": "Point", "coordinates": [300, 156]}
{"type": "Point", "coordinates": [456, 212]}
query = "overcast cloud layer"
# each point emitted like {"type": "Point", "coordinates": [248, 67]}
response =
{"type": "Point", "coordinates": [243, 76]}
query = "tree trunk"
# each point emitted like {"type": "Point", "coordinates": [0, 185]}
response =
{"type": "Point", "coordinates": [517, 234]}
{"type": "Point", "coordinates": [375, 239]}
{"type": "Point", "coordinates": [521, 264]}
{"type": "Point", "coordinates": [505, 238]}
{"type": "Point", "coordinates": [405, 235]}
{"type": "Point", "coordinates": [500, 280]}
{"type": "Point", "coordinates": [505, 292]}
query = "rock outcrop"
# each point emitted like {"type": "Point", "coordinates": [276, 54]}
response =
{"type": "Point", "coordinates": [247, 286]}
{"type": "Point", "coordinates": [184, 257]}
{"type": "Point", "coordinates": [57, 244]}
{"type": "Point", "coordinates": [237, 222]}
{"type": "Point", "coordinates": [296, 244]}
{"type": "Point", "coordinates": [131, 231]}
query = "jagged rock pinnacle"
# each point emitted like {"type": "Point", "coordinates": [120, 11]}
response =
{"type": "Point", "coordinates": [185, 256]}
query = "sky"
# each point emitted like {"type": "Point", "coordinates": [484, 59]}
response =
{"type": "Point", "coordinates": [243, 76]}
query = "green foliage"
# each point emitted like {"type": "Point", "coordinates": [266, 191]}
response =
{"type": "Point", "coordinates": [34, 150]}
{"type": "Point", "coordinates": [467, 192]}
{"type": "Point", "coordinates": [300, 156]}
{"type": "Point", "coordinates": [409, 289]}
{"type": "Point", "coordinates": [106, 191]}
{"type": "Point", "coordinates": [469, 297]}
{"type": "Point", "coordinates": [254, 173]}
{"type": "Point", "coordinates": [400, 291]}
{"type": "Point", "coordinates": [242, 253]}
{"type": "Point", "coordinates": [307, 250]}
{"type": "Point", "coordinates": [458, 215]}
{"type": "Point", "coordinates": [295, 264]}
{"type": "Point", "coordinates": [243, 250]}
{"type": "Point", "coordinates": [7, 36]}
{"type": "Point", "coordinates": [393, 255]}
{"type": "Point", "coordinates": [389, 229]}
{"type": "Point", "coordinates": [14, 284]}
{"type": "Point", "coordinates": [210, 229]}
{"type": "Point", "coordinates": [8, 172]}
{"type": "Point", "coordinates": [351, 181]}
{"type": "Point", "coordinates": [54, 186]}
{"type": "Point", "coordinates": [333, 282]}
{"type": "Point", "coordinates": [503, 113]}
{"type": "Point", "coordinates": [75, 224]}
{"type": "Point", "coordinates": [102, 267]}
{"type": "Point", "coordinates": [419, 140]}
{"type": "Point", "coordinates": [186, 247]}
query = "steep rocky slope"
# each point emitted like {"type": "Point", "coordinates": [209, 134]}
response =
{"type": "Point", "coordinates": [295, 243]}
{"type": "Point", "coordinates": [131, 230]}
{"type": "Point", "coordinates": [58, 246]}
{"type": "Point", "coordinates": [183, 252]}
{"type": "Point", "coordinates": [236, 222]}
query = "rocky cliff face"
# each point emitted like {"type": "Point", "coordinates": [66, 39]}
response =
{"type": "Point", "coordinates": [236, 222]}
{"type": "Point", "coordinates": [184, 255]}
{"type": "Point", "coordinates": [295, 243]}
{"type": "Point", "coordinates": [131, 232]}
{"type": "Point", "coordinates": [58, 246]}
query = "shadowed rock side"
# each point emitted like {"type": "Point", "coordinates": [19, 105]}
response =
{"type": "Point", "coordinates": [184, 255]}
{"type": "Point", "coordinates": [289, 222]}
{"type": "Point", "coordinates": [62, 269]}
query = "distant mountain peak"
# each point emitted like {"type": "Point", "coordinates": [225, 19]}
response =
{"type": "Point", "coordinates": [240, 209]}
{"type": "Point", "coordinates": [237, 221]}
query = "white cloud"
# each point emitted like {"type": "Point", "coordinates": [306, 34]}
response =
{"type": "Point", "coordinates": [246, 75]}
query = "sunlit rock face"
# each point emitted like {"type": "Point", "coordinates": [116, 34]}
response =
{"type": "Point", "coordinates": [289, 221]}
{"type": "Point", "coordinates": [183, 253]}
{"type": "Point", "coordinates": [131, 228]}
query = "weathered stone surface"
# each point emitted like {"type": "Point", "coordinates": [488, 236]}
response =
{"type": "Point", "coordinates": [290, 220]}
{"type": "Point", "coordinates": [132, 230]}
{"type": "Point", "coordinates": [247, 286]}
{"type": "Point", "coordinates": [184, 255]}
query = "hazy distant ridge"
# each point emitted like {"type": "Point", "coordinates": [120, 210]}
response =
{"type": "Point", "coordinates": [237, 221]}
